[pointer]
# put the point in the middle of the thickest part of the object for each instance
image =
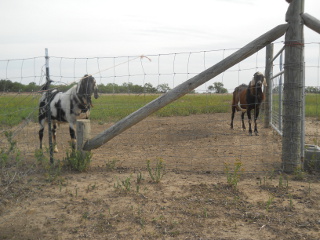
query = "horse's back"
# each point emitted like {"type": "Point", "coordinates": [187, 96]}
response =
{"type": "Point", "coordinates": [239, 95]}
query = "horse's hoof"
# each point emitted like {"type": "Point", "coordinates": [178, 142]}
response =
{"type": "Point", "coordinates": [256, 133]}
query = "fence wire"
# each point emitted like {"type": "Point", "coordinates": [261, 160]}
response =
{"type": "Point", "coordinates": [186, 139]}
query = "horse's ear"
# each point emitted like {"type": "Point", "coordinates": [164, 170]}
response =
{"type": "Point", "coordinates": [265, 82]}
{"type": "Point", "coordinates": [252, 83]}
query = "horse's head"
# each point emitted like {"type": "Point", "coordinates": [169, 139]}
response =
{"type": "Point", "coordinates": [86, 87]}
{"type": "Point", "coordinates": [258, 80]}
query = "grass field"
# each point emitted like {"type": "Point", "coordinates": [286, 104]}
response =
{"type": "Point", "coordinates": [112, 107]}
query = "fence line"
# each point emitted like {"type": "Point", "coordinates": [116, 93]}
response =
{"type": "Point", "coordinates": [164, 68]}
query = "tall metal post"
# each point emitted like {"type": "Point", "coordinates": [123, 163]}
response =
{"type": "Point", "coordinates": [280, 93]}
{"type": "Point", "coordinates": [293, 88]}
{"type": "Point", "coordinates": [48, 105]}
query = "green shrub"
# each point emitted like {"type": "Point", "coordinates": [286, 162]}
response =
{"type": "Point", "coordinates": [78, 160]}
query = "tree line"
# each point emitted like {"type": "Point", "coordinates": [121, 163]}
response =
{"type": "Point", "coordinates": [308, 89]}
{"type": "Point", "coordinates": [217, 87]}
{"type": "Point", "coordinates": [9, 86]}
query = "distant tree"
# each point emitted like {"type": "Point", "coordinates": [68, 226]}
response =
{"type": "Point", "coordinates": [276, 89]}
{"type": "Point", "coordinates": [9, 86]}
{"type": "Point", "coordinates": [127, 87]}
{"type": "Point", "coordinates": [163, 88]}
{"type": "Point", "coordinates": [312, 89]}
{"type": "Point", "coordinates": [210, 88]}
{"type": "Point", "coordinates": [148, 88]}
{"type": "Point", "coordinates": [5, 85]}
{"type": "Point", "coordinates": [217, 88]}
{"type": "Point", "coordinates": [31, 87]}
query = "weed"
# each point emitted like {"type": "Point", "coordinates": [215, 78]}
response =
{"type": "Point", "coordinates": [41, 159]}
{"type": "Point", "coordinates": [205, 213]}
{"type": "Point", "coordinates": [269, 202]}
{"type": "Point", "coordinates": [280, 182]}
{"type": "Point", "coordinates": [78, 160]}
{"type": "Point", "coordinates": [139, 178]}
{"type": "Point", "coordinates": [12, 153]}
{"type": "Point", "coordinates": [233, 177]}
{"type": "Point", "coordinates": [111, 164]}
{"type": "Point", "coordinates": [124, 185]}
{"type": "Point", "coordinates": [85, 215]}
{"type": "Point", "coordinates": [53, 171]}
{"type": "Point", "coordinates": [290, 201]}
{"type": "Point", "coordinates": [91, 187]}
{"type": "Point", "coordinates": [271, 174]}
{"type": "Point", "coordinates": [158, 172]}
{"type": "Point", "coordinates": [298, 174]}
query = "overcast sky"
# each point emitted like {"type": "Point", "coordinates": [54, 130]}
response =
{"type": "Point", "coordinates": [101, 28]}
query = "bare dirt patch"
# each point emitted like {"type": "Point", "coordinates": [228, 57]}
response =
{"type": "Point", "coordinates": [193, 200]}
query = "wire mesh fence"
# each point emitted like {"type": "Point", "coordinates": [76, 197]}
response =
{"type": "Point", "coordinates": [191, 134]}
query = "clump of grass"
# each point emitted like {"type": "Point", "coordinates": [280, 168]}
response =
{"type": "Point", "coordinates": [158, 171]}
{"type": "Point", "coordinates": [233, 175]}
{"type": "Point", "coordinates": [111, 164]}
{"type": "Point", "coordinates": [281, 183]}
{"type": "Point", "coordinates": [124, 185]}
{"type": "Point", "coordinates": [11, 153]}
{"type": "Point", "coordinates": [269, 202]}
{"type": "Point", "coordinates": [41, 158]}
{"type": "Point", "coordinates": [298, 174]}
{"type": "Point", "coordinates": [78, 160]}
{"type": "Point", "coordinates": [139, 177]}
{"type": "Point", "coordinates": [290, 201]}
{"type": "Point", "coordinates": [53, 171]}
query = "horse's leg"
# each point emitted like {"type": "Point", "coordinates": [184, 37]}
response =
{"type": "Point", "coordinates": [242, 119]}
{"type": "Point", "coordinates": [249, 118]}
{"type": "Point", "coordinates": [41, 122]}
{"type": "Point", "coordinates": [54, 136]}
{"type": "Point", "coordinates": [73, 136]}
{"type": "Point", "coordinates": [232, 116]}
{"type": "Point", "coordinates": [256, 113]}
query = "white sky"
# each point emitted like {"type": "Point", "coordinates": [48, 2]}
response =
{"type": "Point", "coordinates": [101, 28]}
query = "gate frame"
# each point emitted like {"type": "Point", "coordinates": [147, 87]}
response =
{"type": "Point", "coordinates": [293, 111]}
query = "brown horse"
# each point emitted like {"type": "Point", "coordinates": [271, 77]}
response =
{"type": "Point", "coordinates": [247, 98]}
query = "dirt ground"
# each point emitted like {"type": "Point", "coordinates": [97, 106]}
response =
{"type": "Point", "coordinates": [196, 198]}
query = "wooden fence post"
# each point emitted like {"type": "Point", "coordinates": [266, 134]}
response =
{"type": "Point", "coordinates": [83, 132]}
{"type": "Point", "coordinates": [311, 22]}
{"type": "Point", "coordinates": [293, 94]}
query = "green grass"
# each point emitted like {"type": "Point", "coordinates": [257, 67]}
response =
{"type": "Point", "coordinates": [15, 107]}
{"type": "Point", "coordinates": [313, 105]}
{"type": "Point", "coordinates": [115, 107]}
{"type": "Point", "coordinates": [112, 107]}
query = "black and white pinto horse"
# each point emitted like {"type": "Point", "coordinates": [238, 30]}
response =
{"type": "Point", "coordinates": [67, 107]}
